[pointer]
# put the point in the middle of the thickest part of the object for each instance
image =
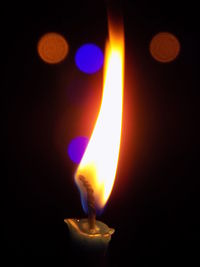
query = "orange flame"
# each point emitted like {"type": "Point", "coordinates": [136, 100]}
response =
{"type": "Point", "coordinates": [99, 162]}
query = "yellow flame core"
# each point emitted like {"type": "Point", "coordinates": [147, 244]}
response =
{"type": "Point", "coordinates": [99, 162]}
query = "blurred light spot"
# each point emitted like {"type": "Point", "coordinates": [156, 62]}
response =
{"type": "Point", "coordinates": [76, 148]}
{"type": "Point", "coordinates": [164, 47]}
{"type": "Point", "coordinates": [89, 58]}
{"type": "Point", "coordinates": [52, 48]}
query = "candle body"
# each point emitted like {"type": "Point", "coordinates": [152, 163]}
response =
{"type": "Point", "coordinates": [87, 239]}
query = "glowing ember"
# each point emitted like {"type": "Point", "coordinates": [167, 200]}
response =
{"type": "Point", "coordinates": [99, 162]}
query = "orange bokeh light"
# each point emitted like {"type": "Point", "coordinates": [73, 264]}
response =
{"type": "Point", "coordinates": [164, 47]}
{"type": "Point", "coordinates": [52, 48]}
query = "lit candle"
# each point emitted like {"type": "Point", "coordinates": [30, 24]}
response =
{"type": "Point", "coordinates": [96, 172]}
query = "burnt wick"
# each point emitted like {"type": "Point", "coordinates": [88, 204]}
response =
{"type": "Point", "coordinates": [90, 202]}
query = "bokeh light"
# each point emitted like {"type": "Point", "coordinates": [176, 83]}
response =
{"type": "Point", "coordinates": [76, 148]}
{"type": "Point", "coordinates": [164, 47]}
{"type": "Point", "coordinates": [89, 58]}
{"type": "Point", "coordinates": [52, 48]}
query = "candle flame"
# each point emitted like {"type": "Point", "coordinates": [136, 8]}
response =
{"type": "Point", "coordinates": [99, 162]}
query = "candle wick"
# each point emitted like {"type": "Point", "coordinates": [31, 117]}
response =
{"type": "Point", "coordinates": [90, 202]}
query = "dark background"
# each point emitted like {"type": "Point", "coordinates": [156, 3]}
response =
{"type": "Point", "coordinates": [154, 206]}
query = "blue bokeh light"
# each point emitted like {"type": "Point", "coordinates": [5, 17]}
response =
{"type": "Point", "coordinates": [89, 58]}
{"type": "Point", "coordinates": [77, 147]}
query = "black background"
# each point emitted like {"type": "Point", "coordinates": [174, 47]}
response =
{"type": "Point", "coordinates": [154, 204]}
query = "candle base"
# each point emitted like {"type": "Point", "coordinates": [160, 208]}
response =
{"type": "Point", "coordinates": [87, 239]}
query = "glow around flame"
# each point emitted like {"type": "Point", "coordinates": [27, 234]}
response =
{"type": "Point", "coordinates": [99, 162]}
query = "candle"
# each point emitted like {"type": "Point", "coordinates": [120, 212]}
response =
{"type": "Point", "coordinates": [96, 172]}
